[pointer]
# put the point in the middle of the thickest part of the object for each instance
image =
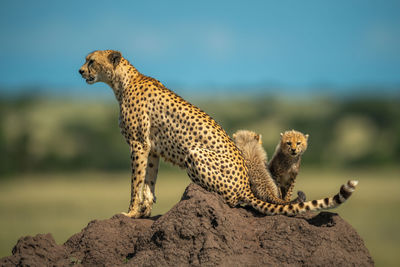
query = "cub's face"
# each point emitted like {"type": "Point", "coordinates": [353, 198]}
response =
{"type": "Point", "coordinates": [293, 143]}
{"type": "Point", "coordinates": [100, 66]}
{"type": "Point", "coordinates": [244, 137]}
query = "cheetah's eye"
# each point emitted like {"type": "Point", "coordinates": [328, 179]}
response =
{"type": "Point", "coordinates": [289, 143]}
{"type": "Point", "coordinates": [298, 143]}
{"type": "Point", "coordinates": [90, 62]}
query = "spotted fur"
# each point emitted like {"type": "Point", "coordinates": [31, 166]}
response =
{"type": "Point", "coordinates": [285, 163]}
{"type": "Point", "coordinates": [158, 123]}
{"type": "Point", "coordinates": [262, 183]}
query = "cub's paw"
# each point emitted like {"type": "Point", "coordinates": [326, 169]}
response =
{"type": "Point", "coordinates": [301, 196]}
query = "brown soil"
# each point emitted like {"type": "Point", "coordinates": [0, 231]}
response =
{"type": "Point", "coordinates": [201, 230]}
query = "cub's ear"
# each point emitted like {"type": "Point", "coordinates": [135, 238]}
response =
{"type": "Point", "coordinates": [307, 136]}
{"type": "Point", "coordinates": [281, 134]}
{"type": "Point", "coordinates": [115, 58]}
{"type": "Point", "coordinates": [258, 137]}
{"type": "Point", "coordinates": [234, 136]}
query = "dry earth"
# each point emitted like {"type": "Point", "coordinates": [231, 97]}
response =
{"type": "Point", "coordinates": [201, 230]}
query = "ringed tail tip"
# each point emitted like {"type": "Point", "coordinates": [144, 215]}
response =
{"type": "Point", "coordinates": [353, 183]}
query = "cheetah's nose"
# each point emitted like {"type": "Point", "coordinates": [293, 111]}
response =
{"type": "Point", "coordinates": [81, 71]}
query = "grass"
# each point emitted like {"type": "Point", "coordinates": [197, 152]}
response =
{"type": "Point", "coordinates": [63, 204]}
{"type": "Point", "coordinates": [372, 210]}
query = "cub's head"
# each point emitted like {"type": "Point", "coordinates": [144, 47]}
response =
{"type": "Point", "coordinates": [250, 144]}
{"type": "Point", "coordinates": [293, 143]}
{"type": "Point", "coordinates": [100, 66]}
{"type": "Point", "coordinates": [244, 137]}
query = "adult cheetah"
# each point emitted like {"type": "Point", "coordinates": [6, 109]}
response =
{"type": "Point", "coordinates": [158, 123]}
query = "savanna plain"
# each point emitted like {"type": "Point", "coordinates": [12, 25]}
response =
{"type": "Point", "coordinates": [64, 163]}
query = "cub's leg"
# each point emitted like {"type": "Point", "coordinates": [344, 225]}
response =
{"type": "Point", "coordinates": [272, 198]}
{"type": "Point", "coordinates": [287, 191]}
{"type": "Point", "coordinates": [150, 183]}
{"type": "Point", "coordinates": [139, 156]}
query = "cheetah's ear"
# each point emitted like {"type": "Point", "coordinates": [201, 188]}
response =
{"type": "Point", "coordinates": [115, 58]}
{"type": "Point", "coordinates": [281, 134]}
{"type": "Point", "coordinates": [307, 136]}
{"type": "Point", "coordinates": [234, 136]}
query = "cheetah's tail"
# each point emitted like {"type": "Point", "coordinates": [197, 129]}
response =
{"type": "Point", "coordinates": [292, 209]}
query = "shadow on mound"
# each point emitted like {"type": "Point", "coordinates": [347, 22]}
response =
{"type": "Point", "coordinates": [201, 230]}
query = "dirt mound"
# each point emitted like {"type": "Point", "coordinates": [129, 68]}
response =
{"type": "Point", "coordinates": [201, 230]}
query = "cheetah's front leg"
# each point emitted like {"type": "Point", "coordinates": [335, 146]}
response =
{"type": "Point", "coordinates": [150, 183]}
{"type": "Point", "coordinates": [139, 156]}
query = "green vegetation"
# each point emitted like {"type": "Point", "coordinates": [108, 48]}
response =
{"type": "Point", "coordinates": [42, 134]}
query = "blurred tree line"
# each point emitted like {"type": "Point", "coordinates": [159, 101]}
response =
{"type": "Point", "coordinates": [40, 134]}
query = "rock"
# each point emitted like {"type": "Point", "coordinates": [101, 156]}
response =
{"type": "Point", "coordinates": [201, 230]}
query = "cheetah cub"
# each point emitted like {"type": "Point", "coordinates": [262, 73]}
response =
{"type": "Point", "coordinates": [285, 163]}
{"type": "Point", "coordinates": [261, 182]}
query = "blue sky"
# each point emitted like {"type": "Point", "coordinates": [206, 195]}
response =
{"type": "Point", "coordinates": [194, 44]}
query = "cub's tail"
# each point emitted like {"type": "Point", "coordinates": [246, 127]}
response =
{"type": "Point", "coordinates": [292, 209]}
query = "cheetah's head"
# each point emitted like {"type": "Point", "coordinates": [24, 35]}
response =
{"type": "Point", "coordinates": [293, 143]}
{"type": "Point", "coordinates": [100, 66]}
